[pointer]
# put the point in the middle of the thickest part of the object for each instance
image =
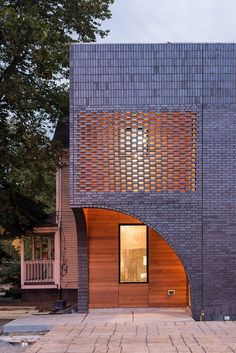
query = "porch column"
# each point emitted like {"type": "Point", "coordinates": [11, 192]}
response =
{"type": "Point", "coordinates": [82, 260]}
{"type": "Point", "coordinates": [22, 264]}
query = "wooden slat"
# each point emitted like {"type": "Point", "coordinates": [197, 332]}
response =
{"type": "Point", "coordinates": [133, 295]}
{"type": "Point", "coordinates": [103, 258]}
{"type": "Point", "coordinates": [69, 256]}
{"type": "Point", "coordinates": [165, 269]}
{"type": "Point", "coordinates": [165, 272]}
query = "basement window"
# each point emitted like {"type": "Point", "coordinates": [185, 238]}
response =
{"type": "Point", "coordinates": [133, 253]}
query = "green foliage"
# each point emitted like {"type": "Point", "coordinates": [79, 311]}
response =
{"type": "Point", "coordinates": [4, 255]}
{"type": "Point", "coordinates": [9, 263]}
{"type": "Point", "coordinates": [27, 179]}
{"type": "Point", "coordinates": [10, 273]}
{"type": "Point", "coordinates": [35, 37]}
{"type": "Point", "coordinates": [14, 292]}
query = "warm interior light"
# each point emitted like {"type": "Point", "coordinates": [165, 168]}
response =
{"type": "Point", "coordinates": [133, 253]}
{"type": "Point", "coordinates": [136, 152]}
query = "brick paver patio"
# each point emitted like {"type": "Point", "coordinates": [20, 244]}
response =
{"type": "Point", "coordinates": [141, 333]}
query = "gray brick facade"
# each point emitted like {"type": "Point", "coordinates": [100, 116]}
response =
{"type": "Point", "coordinates": [82, 261]}
{"type": "Point", "coordinates": [200, 225]}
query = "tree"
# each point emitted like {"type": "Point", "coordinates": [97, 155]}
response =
{"type": "Point", "coordinates": [10, 264]}
{"type": "Point", "coordinates": [35, 37]}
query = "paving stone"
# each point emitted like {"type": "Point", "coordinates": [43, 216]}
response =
{"type": "Point", "coordinates": [54, 348]}
{"type": "Point", "coordinates": [182, 349]}
{"type": "Point", "coordinates": [139, 337]}
{"type": "Point", "coordinates": [197, 350]}
{"type": "Point", "coordinates": [114, 350]}
{"type": "Point", "coordinates": [135, 348]}
{"type": "Point", "coordinates": [75, 348]}
{"type": "Point", "coordinates": [159, 339]}
{"type": "Point", "coordinates": [33, 349]}
{"type": "Point", "coordinates": [163, 349]}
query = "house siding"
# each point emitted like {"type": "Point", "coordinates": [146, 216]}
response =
{"type": "Point", "coordinates": [67, 231]}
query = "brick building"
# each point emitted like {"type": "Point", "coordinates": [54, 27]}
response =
{"type": "Point", "coordinates": [150, 220]}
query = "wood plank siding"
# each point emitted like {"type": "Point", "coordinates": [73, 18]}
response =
{"type": "Point", "coordinates": [68, 233]}
{"type": "Point", "coordinates": [165, 269]}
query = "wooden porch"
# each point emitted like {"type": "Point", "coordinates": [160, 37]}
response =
{"type": "Point", "coordinates": [40, 259]}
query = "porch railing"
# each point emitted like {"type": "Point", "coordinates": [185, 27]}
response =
{"type": "Point", "coordinates": [39, 271]}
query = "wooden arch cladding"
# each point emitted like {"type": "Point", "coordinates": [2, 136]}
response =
{"type": "Point", "coordinates": [165, 270]}
{"type": "Point", "coordinates": [120, 152]}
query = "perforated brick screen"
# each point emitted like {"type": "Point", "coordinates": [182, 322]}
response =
{"type": "Point", "coordinates": [136, 152]}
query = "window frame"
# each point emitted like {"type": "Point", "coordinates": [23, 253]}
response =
{"type": "Point", "coordinates": [119, 252]}
{"type": "Point", "coordinates": [50, 236]}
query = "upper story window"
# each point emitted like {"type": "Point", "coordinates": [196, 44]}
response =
{"type": "Point", "coordinates": [148, 152]}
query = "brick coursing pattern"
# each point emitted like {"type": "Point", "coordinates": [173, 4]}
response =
{"type": "Point", "coordinates": [141, 151]}
{"type": "Point", "coordinates": [201, 78]}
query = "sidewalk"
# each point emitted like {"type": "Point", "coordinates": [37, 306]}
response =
{"type": "Point", "coordinates": [44, 323]}
{"type": "Point", "coordinates": [138, 332]}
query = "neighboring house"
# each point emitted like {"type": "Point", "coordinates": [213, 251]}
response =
{"type": "Point", "coordinates": [49, 256]}
{"type": "Point", "coordinates": [147, 214]}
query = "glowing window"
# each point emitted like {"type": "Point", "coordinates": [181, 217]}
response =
{"type": "Point", "coordinates": [133, 253]}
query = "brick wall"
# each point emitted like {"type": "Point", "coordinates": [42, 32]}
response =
{"type": "Point", "coordinates": [200, 78]}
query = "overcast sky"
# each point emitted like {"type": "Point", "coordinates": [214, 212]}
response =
{"type": "Point", "coordinates": [157, 21]}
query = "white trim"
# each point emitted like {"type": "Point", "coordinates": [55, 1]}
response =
{"type": "Point", "coordinates": [57, 273]}
{"type": "Point", "coordinates": [58, 195]}
{"type": "Point", "coordinates": [38, 286]}
{"type": "Point", "coordinates": [22, 255]}
{"type": "Point", "coordinates": [42, 230]}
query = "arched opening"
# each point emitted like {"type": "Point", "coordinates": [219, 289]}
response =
{"type": "Point", "coordinates": [131, 267]}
